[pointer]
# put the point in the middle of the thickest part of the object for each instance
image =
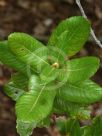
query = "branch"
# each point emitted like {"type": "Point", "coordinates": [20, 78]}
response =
{"type": "Point", "coordinates": [92, 31]}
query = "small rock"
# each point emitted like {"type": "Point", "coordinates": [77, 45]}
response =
{"type": "Point", "coordinates": [48, 22]}
{"type": "Point", "coordinates": [2, 3]}
{"type": "Point", "coordinates": [39, 29]}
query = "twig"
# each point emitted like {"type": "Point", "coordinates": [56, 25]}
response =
{"type": "Point", "coordinates": [92, 31]}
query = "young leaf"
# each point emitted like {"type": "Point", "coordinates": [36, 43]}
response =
{"type": "Point", "coordinates": [28, 49]}
{"type": "Point", "coordinates": [82, 68]}
{"type": "Point", "coordinates": [35, 105]}
{"type": "Point", "coordinates": [48, 74]}
{"type": "Point", "coordinates": [9, 59]}
{"type": "Point", "coordinates": [86, 92]}
{"type": "Point", "coordinates": [70, 35]}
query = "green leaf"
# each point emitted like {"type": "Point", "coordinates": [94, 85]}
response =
{"type": "Point", "coordinates": [78, 70]}
{"type": "Point", "coordinates": [25, 129]}
{"type": "Point", "coordinates": [34, 83]}
{"type": "Point", "coordinates": [29, 50]}
{"type": "Point", "coordinates": [86, 131]}
{"type": "Point", "coordinates": [70, 35]}
{"type": "Point", "coordinates": [69, 127]}
{"type": "Point", "coordinates": [16, 86]}
{"type": "Point", "coordinates": [48, 74]}
{"type": "Point", "coordinates": [9, 59]}
{"type": "Point", "coordinates": [21, 81]}
{"type": "Point", "coordinates": [95, 129]}
{"type": "Point", "coordinates": [73, 110]}
{"type": "Point", "coordinates": [13, 91]}
{"type": "Point", "coordinates": [35, 105]}
{"type": "Point", "coordinates": [82, 68]}
{"type": "Point", "coordinates": [45, 122]}
{"type": "Point", "coordinates": [86, 92]}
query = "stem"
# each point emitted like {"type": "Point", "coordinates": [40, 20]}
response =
{"type": "Point", "coordinates": [92, 31]}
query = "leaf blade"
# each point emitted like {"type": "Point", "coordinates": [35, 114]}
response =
{"type": "Point", "coordinates": [28, 49]}
{"type": "Point", "coordinates": [84, 93]}
{"type": "Point", "coordinates": [70, 35]}
{"type": "Point", "coordinates": [81, 69]}
{"type": "Point", "coordinates": [31, 106]}
{"type": "Point", "coordinates": [9, 59]}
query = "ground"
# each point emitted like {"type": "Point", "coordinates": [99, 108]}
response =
{"type": "Point", "coordinates": [38, 18]}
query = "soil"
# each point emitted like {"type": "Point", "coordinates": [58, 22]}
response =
{"type": "Point", "coordinates": [38, 18]}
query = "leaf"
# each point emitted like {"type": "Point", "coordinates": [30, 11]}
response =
{"type": "Point", "coordinates": [78, 70]}
{"type": "Point", "coordinates": [86, 92]}
{"type": "Point", "coordinates": [13, 91]}
{"type": "Point", "coordinates": [69, 127]}
{"type": "Point", "coordinates": [70, 35]}
{"type": "Point", "coordinates": [45, 122]}
{"type": "Point", "coordinates": [86, 131]}
{"type": "Point", "coordinates": [73, 110]}
{"type": "Point", "coordinates": [35, 105]}
{"type": "Point", "coordinates": [16, 86]}
{"type": "Point", "coordinates": [28, 49]}
{"type": "Point", "coordinates": [34, 83]}
{"type": "Point", "coordinates": [21, 81]}
{"type": "Point", "coordinates": [48, 74]}
{"type": "Point", "coordinates": [95, 129]}
{"type": "Point", "coordinates": [9, 59]}
{"type": "Point", "coordinates": [82, 68]}
{"type": "Point", "coordinates": [25, 129]}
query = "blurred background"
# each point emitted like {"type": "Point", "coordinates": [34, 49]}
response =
{"type": "Point", "coordinates": [38, 18]}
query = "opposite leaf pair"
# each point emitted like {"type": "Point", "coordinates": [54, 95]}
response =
{"type": "Point", "coordinates": [46, 80]}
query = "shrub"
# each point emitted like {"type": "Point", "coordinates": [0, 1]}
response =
{"type": "Point", "coordinates": [51, 80]}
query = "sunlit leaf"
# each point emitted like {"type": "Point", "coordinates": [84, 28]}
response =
{"type": "Point", "coordinates": [35, 105]}
{"type": "Point", "coordinates": [29, 50]}
{"type": "Point", "coordinates": [70, 36]}
{"type": "Point", "coordinates": [82, 68]}
{"type": "Point", "coordinates": [86, 92]}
